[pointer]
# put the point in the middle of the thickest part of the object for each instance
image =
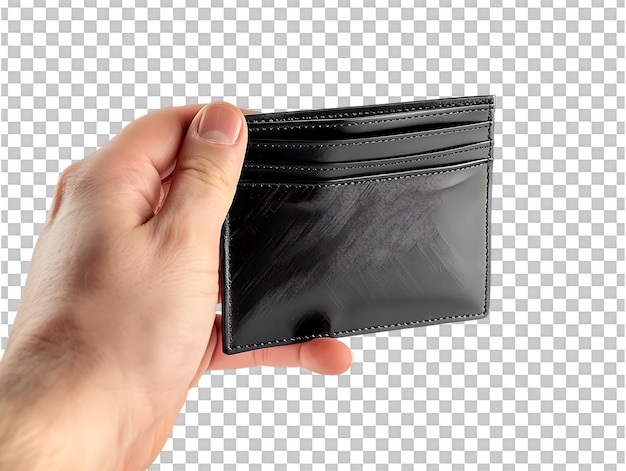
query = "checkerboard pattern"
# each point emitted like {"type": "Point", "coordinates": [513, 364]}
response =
{"type": "Point", "coordinates": [537, 385]}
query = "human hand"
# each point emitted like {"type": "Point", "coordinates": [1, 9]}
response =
{"type": "Point", "coordinates": [117, 318]}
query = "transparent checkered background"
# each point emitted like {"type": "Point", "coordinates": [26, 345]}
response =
{"type": "Point", "coordinates": [537, 385]}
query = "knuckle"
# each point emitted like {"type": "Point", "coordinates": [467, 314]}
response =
{"type": "Point", "coordinates": [67, 185]}
{"type": "Point", "coordinates": [69, 174]}
{"type": "Point", "coordinates": [205, 172]}
{"type": "Point", "coordinates": [74, 180]}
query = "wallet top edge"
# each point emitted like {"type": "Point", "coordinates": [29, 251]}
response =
{"type": "Point", "coordinates": [369, 110]}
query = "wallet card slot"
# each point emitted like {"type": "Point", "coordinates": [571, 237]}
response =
{"type": "Point", "coordinates": [349, 150]}
{"type": "Point", "coordinates": [302, 261]}
{"type": "Point", "coordinates": [367, 126]}
{"type": "Point", "coordinates": [332, 171]}
{"type": "Point", "coordinates": [360, 177]}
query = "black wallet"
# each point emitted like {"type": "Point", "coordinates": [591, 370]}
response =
{"type": "Point", "coordinates": [355, 220]}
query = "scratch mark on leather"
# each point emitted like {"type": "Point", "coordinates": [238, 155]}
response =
{"type": "Point", "coordinates": [280, 193]}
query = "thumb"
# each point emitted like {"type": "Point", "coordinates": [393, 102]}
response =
{"type": "Point", "coordinates": [207, 171]}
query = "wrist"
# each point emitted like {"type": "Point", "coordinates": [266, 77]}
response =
{"type": "Point", "coordinates": [50, 421]}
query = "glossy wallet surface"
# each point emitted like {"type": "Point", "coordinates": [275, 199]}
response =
{"type": "Point", "coordinates": [356, 220]}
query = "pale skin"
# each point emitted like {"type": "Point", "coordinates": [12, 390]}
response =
{"type": "Point", "coordinates": [117, 318]}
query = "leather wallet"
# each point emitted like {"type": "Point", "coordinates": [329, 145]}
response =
{"type": "Point", "coordinates": [355, 220]}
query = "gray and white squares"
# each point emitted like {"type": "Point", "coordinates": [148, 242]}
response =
{"type": "Point", "coordinates": [537, 385]}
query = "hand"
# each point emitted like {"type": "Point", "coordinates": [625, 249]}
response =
{"type": "Point", "coordinates": [117, 319]}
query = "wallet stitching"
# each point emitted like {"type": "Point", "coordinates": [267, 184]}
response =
{"type": "Point", "coordinates": [377, 121]}
{"type": "Point", "coordinates": [490, 154]}
{"type": "Point", "coordinates": [375, 141]}
{"type": "Point", "coordinates": [353, 331]}
{"type": "Point", "coordinates": [417, 159]}
{"type": "Point", "coordinates": [352, 114]}
{"type": "Point", "coordinates": [367, 180]}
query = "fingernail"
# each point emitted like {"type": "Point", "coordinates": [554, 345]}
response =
{"type": "Point", "coordinates": [220, 124]}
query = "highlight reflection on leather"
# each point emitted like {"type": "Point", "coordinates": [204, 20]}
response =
{"type": "Point", "coordinates": [394, 235]}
